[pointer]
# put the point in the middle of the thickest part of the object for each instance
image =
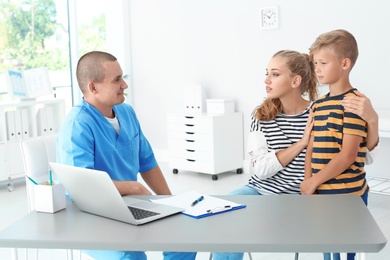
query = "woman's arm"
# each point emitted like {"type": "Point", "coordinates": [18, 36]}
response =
{"type": "Point", "coordinates": [265, 164]}
{"type": "Point", "coordinates": [287, 155]}
{"type": "Point", "coordinates": [361, 106]}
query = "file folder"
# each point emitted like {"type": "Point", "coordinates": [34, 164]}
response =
{"type": "Point", "coordinates": [25, 123]}
{"type": "Point", "coordinates": [208, 206]}
{"type": "Point", "coordinates": [42, 121]}
{"type": "Point", "coordinates": [50, 119]}
{"type": "Point", "coordinates": [10, 119]}
{"type": "Point", "coordinates": [18, 125]}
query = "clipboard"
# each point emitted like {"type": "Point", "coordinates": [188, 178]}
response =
{"type": "Point", "coordinates": [206, 207]}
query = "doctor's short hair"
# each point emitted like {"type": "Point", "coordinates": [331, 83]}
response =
{"type": "Point", "coordinates": [89, 67]}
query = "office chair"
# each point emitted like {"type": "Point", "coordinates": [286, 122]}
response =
{"type": "Point", "coordinates": [37, 152]}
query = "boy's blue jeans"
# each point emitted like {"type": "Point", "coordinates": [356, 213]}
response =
{"type": "Point", "coordinates": [350, 256]}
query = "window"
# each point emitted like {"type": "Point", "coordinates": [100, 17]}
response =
{"type": "Point", "coordinates": [37, 33]}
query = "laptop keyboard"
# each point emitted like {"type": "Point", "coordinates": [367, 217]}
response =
{"type": "Point", "coordinates": [142, 213]}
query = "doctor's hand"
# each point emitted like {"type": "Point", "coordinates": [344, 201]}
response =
{"type": "Point", "coordinates": [131, 188]}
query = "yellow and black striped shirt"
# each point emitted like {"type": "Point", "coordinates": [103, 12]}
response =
{"type": "Point", "coordinates": [331, 122]}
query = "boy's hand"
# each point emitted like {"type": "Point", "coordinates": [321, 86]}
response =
{"type": "Point", "coordinates": [308, 186]}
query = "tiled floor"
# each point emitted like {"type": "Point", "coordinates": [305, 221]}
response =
{"type": "Point", "coordinates": [13, 206]}
{"type": "Point", "coordinates": [379, 185]}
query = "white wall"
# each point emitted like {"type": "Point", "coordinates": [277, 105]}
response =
{"type": "Point", "coordinates": [219, 44]}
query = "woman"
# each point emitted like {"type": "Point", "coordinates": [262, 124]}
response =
{"type": "Point", "coordinates": [281, 125]}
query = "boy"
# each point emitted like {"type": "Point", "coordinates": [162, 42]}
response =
{"type": "Point", "coordinates": [336, 151]}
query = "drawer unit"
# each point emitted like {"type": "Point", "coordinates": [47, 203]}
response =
{"type": "Point", "coordinates": [206, 143]}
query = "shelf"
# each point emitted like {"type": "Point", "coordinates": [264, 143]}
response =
{"type": "Point", "coordinates": [24, 120]}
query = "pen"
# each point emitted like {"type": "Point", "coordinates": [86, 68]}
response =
{"type": "Point", "coordinates": [197, 200]}
{"type": "Point", "coordinates": [32, 180]}
{"type": "Point", "coordinates": [51, 178]}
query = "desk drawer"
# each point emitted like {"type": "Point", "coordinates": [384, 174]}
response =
{"type": "Point", "coordinates": [195, 128]}
{"type": "Point", "coordinates": [191, 136]}
{"type": "Point", "coordinates": [175, 144]}
{"type": "Point", "coordinates": [190, 120]}
{"type": "Point", "coordinates": [192, 155]}
{"type": "Point", "coordinates": [192, 165]}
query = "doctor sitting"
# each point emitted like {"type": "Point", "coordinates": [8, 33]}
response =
{"type": "Point", "coordinates": [103, 133]}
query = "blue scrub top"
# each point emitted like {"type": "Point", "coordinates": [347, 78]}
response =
{"type": "Point", "coordinates": [86, 139]}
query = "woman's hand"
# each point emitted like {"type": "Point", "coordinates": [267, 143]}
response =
{"type": "Point", "coordinates": [309, 126]}
{"type": "Point", "coordinates": [361, 106]}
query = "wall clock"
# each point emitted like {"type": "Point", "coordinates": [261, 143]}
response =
{"type": "Point", "coordinates": [269, 17]}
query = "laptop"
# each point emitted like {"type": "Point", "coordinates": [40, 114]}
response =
{"type": "Point", "coordinates": [94, 192]}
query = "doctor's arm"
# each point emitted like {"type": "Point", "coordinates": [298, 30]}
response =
{"type": "Point", "coordinates": [156, 181]}
{"type": "Point", "coordinates": [131, 188]}
{"type": "Point", "coordinates": [153, 178]}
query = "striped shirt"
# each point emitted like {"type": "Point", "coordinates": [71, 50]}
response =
{"type": "Point", "coordinates": [331, 122]}
{"type": "Point", "coordinates": [280, 133]}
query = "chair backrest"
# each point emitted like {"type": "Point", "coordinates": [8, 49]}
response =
{"type": "Point", "coordinates": [37, 152]}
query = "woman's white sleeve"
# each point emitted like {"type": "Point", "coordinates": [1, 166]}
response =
{"type": "Point", "coordinates": [370, 157]}
{"type": "Point", "coordinates": [263, 163]}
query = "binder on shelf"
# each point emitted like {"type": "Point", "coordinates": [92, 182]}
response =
{"type": "Point", "coordinates": [194, 100]}
{"type": "Point", "coordinates": [18, 125]}
{"type": "Point", "coordinates": [42, 121]}
{"type": "Point", "coordinates": [25, 123]}
{"type": "Point", "coordinates": [208, 206]}
{"type": "Point", "coordinates": [10, 119]}
{"type": "Point", "coordinates": [50, 119]}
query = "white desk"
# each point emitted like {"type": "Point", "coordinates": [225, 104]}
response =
{"type": "Point", "coordinates": [322, 223]}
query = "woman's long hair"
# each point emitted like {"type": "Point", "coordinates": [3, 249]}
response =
{"type": "Point", "coordinates": [297, 64]}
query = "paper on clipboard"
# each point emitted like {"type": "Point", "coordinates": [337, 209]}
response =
{"type": "Point", "coordinates": [207, 207]}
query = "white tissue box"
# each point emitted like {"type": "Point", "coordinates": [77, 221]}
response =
{"type": "Point", "coordinates": [220, 106]}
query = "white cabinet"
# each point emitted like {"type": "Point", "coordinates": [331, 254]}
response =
{"type": "Point", "coordinates": [21, 120]}
{"type": "Point", "coordinates": [206, 143]}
